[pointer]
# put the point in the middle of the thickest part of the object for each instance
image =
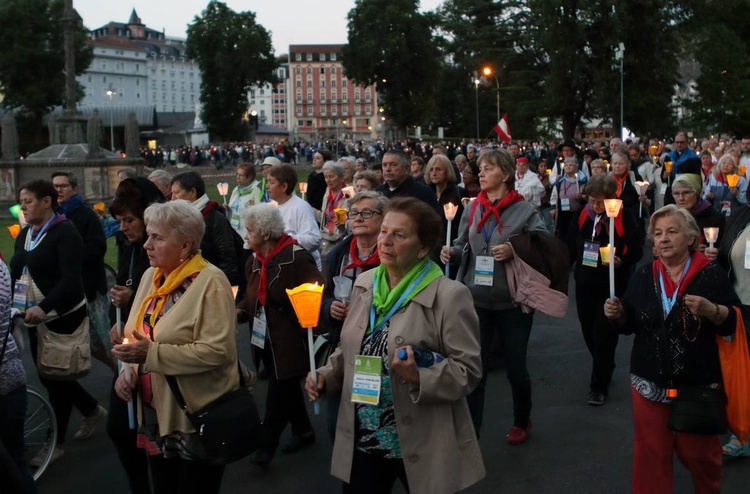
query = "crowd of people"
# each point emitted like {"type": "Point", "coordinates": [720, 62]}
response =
{"type": "Point", "coordinates": [413, 325]}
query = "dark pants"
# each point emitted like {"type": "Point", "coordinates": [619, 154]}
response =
{"type": "Point", "coordinates": [599, 334]}
{"type": "Point", "coordinates": [14, 472]}
{"type": "Point", "coordinates": [332, 415]}
{"type": "Point", "coordinates": [63, 396]}
{"type": "Point", "coordinates": [374, 475]}
{"type": "Point", "coordinates": [285, 404]}
{"type": "Point", "coordinates": [180, 476]}
{"type": "Point", "coordinates": [514, 328]}
{"type": "Point", "coordinates": [134, 460]}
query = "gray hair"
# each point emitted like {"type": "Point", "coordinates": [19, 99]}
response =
{"type": "Point", "coordinates": [571, 161]}
{"type": "Point", "coordinates": [686, 220]}
{"type": "Point", "coordinates": [370, 194]}
{"type": "Point", "coordinates": [349, 159]}
{"type": "Point", "coordinates": [180, 218]}
{"type": "Point", "coordinates": [337, 168]}
{"type": "Point", "coordinates": [267, 219]}
{"type": "Point", "coordinates": [622, 155]}
{"type": "Point", "coordinates": [161, 177]}
{"type": "Point", "coordinates": [460, 158]}
{"type": "Point", "coordinates": [128, 171]}
{"type": "Point", "coordinates": [368, 175]}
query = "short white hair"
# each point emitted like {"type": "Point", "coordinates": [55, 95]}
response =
{"type": "Point", "coordinates": [267, 219]}
{"type": "Point", "coordinates": [180, 218]}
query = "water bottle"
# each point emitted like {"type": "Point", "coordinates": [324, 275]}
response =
{"type": "Point", "coordinates": [423, 358]}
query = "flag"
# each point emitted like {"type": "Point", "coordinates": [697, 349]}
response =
{"type": "Point", "coordinates": [502, 129]}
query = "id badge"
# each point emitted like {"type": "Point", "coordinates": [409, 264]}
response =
{"type": "Point", "coordinates": [590, 254]}
{"type": "Point", "coordinates": [260, 329]}
{"type": "Point", "coordinates": [565, 204]}
{"type": "Point", "coordinates": [663, 189]}
{"type": "Point", "coordinates": [747, 254]}
{"type": "Point", "coordinates": [484, 270]}
{"type": "Point", "coordinates": [726, 208]}
{"type": "Point", "coordinates": [20, 295]}
{"type": "Point", "coordinates": [367, 380]}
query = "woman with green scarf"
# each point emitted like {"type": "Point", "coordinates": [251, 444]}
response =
{"type": "Point", "coordinates": [398, 420]}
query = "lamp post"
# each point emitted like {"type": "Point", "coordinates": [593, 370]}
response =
{"type": "Point", "coordinates": [488, 72]}
{"type": "Point", "coordinates": [620, 55]}
{"type": "Point", "coordinates": [476, 94]}
{"type": "Point", "coordinates": [110, 93]}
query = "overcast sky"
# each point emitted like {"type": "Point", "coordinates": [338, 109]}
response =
{"type": "Point", "coordinates": [292, 22]}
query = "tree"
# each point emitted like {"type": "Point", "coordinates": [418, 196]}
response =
{"type": "Point", "coordinates": [234, 53]}
{"type": "Point", "coordinates": [391, 44]}
{"type": "Point", "coordinates": [32, 61]}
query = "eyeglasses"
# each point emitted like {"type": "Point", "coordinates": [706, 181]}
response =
{"type": "Point", "coordinates": [680, 142]}
{"type": "Point", "coordinates": [682, 193]}
{"type": "Point", "coordinates": [596, 202]}
{"type": "Point", "coordinates": [61, 186]}
{"type": "Point", "coordinates": [366, 214]}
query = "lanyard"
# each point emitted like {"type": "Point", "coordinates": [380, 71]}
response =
{"type": "Point", "coordinates": [332, 204]}
{"type": "Point", "coordinates": [593, 230]}
{"type": "Point", "coordinates": [242, 191]}
{"type": "Point", "coordinates": [668, 303]}
{"type": "Point", "coordinates": [31, 244]}
{"type": "Point", "coordinates": [487, 234]}
{"type": "Point", "coordinates": [397, 305]}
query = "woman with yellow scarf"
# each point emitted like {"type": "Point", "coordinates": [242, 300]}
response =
{"type": "Point", "coordinates": [181, 324]}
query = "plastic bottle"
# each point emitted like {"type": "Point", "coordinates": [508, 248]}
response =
{"type": "Point", "coordinates": [423, 358]}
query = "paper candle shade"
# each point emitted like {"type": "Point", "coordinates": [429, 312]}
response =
{"type": "Point", "coordinates": [223, 188]}
{"type": "Point", "coordinates": [668, 166]}
{"type": "Point", "coordinates": [653, 150]}
{"type": "Point", "coordinates": [302, 187]}
{"type": "Point", "coordinates": [15, 210]}
{"type": "Point", "coordinates": [99, 207]}
{"type": "Point", "coordinates": [340, 215]}
{"type": "Point", "coordinates": [743, 170]}
{"type": "Point", "coordinates": [450, 211]}
{"type": "Point", "coordinates": [612, 207]}
{"type": "Point", "coordinates": [604, 253]}
{"type": "Point", "coordinates": [733, 179]}
{"type": "Point", "coordinates": [642, 187]}
{"type": "Point", "coordinates": [549, 171]}
{"type": "Point", "coordinates": [14, 230]}
{"type": "Point", "coordinates": [306, 300]}
{"type": "Point", "coordinates": [711, 234]}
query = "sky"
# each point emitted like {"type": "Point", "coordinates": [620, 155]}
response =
{"type": "Point", "coordinates": [292, 22]}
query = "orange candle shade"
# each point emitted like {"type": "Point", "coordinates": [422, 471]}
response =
{"type": "Point", "coordinates": [99, 207]}
{"type": "Point", "coordinates": [605, 255]}
{"type": "Point", "coordinates": [306, 300]}
{"type": "Point", "coordinates": [340, 215]}
{"type": "Point", "coordinates": [14, 230]}
{"type": "Point", "coordinates": [668, 166]}
{"type": "Point", "coordinates": [743, 170]}
{"type": "Point", "coordinates": [733, 179]}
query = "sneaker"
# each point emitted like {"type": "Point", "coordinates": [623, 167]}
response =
{"type": "Point", "coordinates": [596, 399]}
{"type": "Point", "coordinates": [38, 459]}
{"type": "Point", "coordinates": [88, 424]}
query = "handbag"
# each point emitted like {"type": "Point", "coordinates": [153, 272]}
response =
{"type": "Point", "coordinates": [229, 427]}
{"type": "Point", "coordinates": [735, 371]}
{"type": "Point", "coordinates": [63, 357]}
{"type": "Point", "coordinates": [698, 410]}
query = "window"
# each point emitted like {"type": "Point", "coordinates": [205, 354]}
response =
{"type": "Point", "coordinates": [334, 110]}
{"type": "Point", "coordinates": [368, 109]}
{"type": "Point", "coordinates": [333, 83]}
{"type": "Point", "coordinates": [299, 84]}
{"type": "Point", "coordinates": [137, 82]}
{"type": "Point", "coordinates": [333, 95]}
{"type": "Point", "coordinates": [89, 78]}
{"type": "Point", "coordinates": [104, 64]}
{"type": "Point", "coordinates": [309, 123]}
{"type": "Point", "coordinates": [343, 82]}
{"type": "Point", "coordinates": [298, 71]}
{"type": "Point", "coordinates": [137, 95]}
{"type": "Point", "coordinates": [298, 57]}
{"type": "Point", "coordinates": [322, 83]}
{"type": "Point", "coordinates": [322, 70]}
{"type": "Point", "coordinates": [153, 96]}
{"type": "Point", "coordinates": [357, 109]}
{"type": "Point", "coordinates": [309, 111]}
{"type": "Point", "coordinates": [345, 97]}
{"type": "Point", "coordinates": [299, 99]}
{"type": "Point", "coordinates": [322, 56]}
{"type": "Point", "coordinates": [137, 66]}
{"type": "Point", "coordinates": [299, 111]}
{"type": "Point", "coordinates": [104, 79]}
{"type": "Point", "coordinates": [309, 57]}
{"type": "Point", "coordinates": [323, 111]}
{"type": "Point", "coordinates": [333, 69]}
{"type": "Point", "coordinates": [333, 57]}
{"type": "Point", "coordinates": [309, 83]}
{"type": "Point", "coordinates": [309, 70]}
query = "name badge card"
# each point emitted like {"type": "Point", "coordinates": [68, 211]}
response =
{"type": "Point", "coordinates": [260, 329]}
{"type": "Point", "coordinates": [590, 254]}
{"type": "Point", "coordinates": [367, 380]}
{"type": "Point", "coordinates": [747, 254]}
{"type": "Point", "coordinates": [565, 204]}
{"type": "Point", "coordinates": [20, 293]}
{"type": "Point", "coordinates": [484, 270]}
{"type": "Point", "coordinates": [726, 208]}
{"type": "Point", "coordinates": [663, 189]}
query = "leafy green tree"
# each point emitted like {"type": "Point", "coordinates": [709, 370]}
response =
{"type": "Point", "coordinates": [234, 53]}
{"type": "Point", "coordinates": [32, 60]}
{"type": "Point", "coordinates": [391, 44]}
{"type": "Point", "coordinates": [723, 52]}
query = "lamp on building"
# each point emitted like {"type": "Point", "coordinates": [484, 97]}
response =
{"type": "Point", "coordinates": [111, 92]}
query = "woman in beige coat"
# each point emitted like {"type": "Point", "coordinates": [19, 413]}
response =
{"type": "Point", "coordinates": [417, 427]}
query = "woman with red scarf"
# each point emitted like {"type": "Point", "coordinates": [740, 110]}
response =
{"type": "Point", "coordinates": [331, 229]}
{"type": "Point", "coordinates": [356, 254]}
{"type": "Point", "coordinates": [497, 213]}
{"type": "Point", "coordinates": [279, 264]}
{"type": "Point", "coordinates": [676, 307]}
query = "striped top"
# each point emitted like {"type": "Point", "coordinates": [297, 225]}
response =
{"type": "Point", "coordinates": [12, 375]}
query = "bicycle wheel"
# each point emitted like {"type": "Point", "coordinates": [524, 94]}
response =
{"type": "Point", "coordinates": [40, 430]}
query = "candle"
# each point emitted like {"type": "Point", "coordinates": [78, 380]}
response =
{"type": "Point", "coordinates": [450, 213]}
{"type": "Point", "coordinates": [303, 188]}
{"type": "Point", "coordinates": [126, 371]}
{"type": "Point", "coordinates": [743, 170]}
{"type": "Point", "coordinates": [14, 230]}
{"type": "Point", "coordinates": [733, 179]}
{"type": "Point", "coordinates": [306, 300]}
{"type": "Point", "coordinates": [642, 189]}
{"type": "Point", "coordinates": [711, 234]}
{"type": "Point", "coordinates": [613, 209]}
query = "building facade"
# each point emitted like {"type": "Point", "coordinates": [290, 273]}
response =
{"type": "Point", "coordinates": [324, 103]}
{"type": "Point", "coordinates": [271, 101]}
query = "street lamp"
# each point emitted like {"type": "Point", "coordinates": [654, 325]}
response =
{"type": "Point", "coordinates": [488, 72]}
{"type": "Point", "coordinates": [620, 55]}
{"type": "Point", "coordinates": [476, 93]}
{"type": "Point", "coordinates": [110, 93]}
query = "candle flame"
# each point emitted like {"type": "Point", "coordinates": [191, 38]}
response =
{"type": "Point", "coordinates": [450, 211]}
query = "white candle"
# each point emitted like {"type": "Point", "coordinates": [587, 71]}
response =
{"type": "Point", "coordinates": [313, 372]}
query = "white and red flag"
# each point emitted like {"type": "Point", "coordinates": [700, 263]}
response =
{"type": "Point", "coordinates": [502, 129]}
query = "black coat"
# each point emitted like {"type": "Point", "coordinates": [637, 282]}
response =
{"type": "Point", "coordinates": [90, 228]}
{"type": "Point", "coordinates": [316, 189]}
{"type": "Point", "coordinates": [218, 244]}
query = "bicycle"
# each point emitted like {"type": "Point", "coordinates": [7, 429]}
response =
{"type": "Point", "coordinates": [40, 430]}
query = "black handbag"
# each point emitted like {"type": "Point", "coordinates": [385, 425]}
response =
{"type": "Point", "coordinates": [229, 427]}
{"type": "Point", "coordinates": [699, 410]}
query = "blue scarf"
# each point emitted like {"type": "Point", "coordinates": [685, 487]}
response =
{"type": "Point", "coordinates": [71, 205]}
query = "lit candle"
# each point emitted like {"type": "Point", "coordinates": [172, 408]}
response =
{"type": "Point", "coordinates": [126, 371]}
{"type": "Point", "coordinates": [642, 189]}
{"type": "Point", "coordinates": [613, 209]}
{"type": "Point", "coordinates": [303, 188]}
{"type": "Point", "coordinates": [450, 213]}
{"type": "Point", "coordinates": [711, 234]}
{"type": "Point", "coordinates": [306, 300]}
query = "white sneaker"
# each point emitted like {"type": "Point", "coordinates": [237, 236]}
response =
{"type": "Point", "coordinates": [88, 424]}
{"type": "Point", "coordinates": [38, 459]}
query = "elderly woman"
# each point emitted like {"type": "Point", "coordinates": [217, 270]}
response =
{"type": "Point", "coordinates": [441, 178]}
{"type": "Point", "coordinates": [349, 165]}
{"type": "Point", "coordinates": [217, 245]}
{"type": "Point", "coordinates": [298, 216]}
{"type": "Point", "coordinates": [686, 190]}
{"type": "Point", "coordinates": [588, 232]}
{"type": "Point", "coordinates": [132, 197]}
{"type": "Point", "coordinates": [181, 324]}
{"type": "Point", "coordinates": [279, 264]}
{"type": "Point", "coordinates": [567, 196]}
{"type": "Point", "coordinates": [498, 213]}
{"type": "Point", "coordinates": [331, 229]}
{"type": "Point", "coordinates": [725, 199]}
{"type": "Point", "coordinates": [470, 179]}
{"type": "Point", "coordinates": [598, 167]}
{"type": "Point", "coordinates": [365, 180]}
{"type": "Point", "coordinates": [46, 266]}
{"type": "Point", "coordinates": [676, 306]}
{"type": "Point", "coordinates": [419, 418]}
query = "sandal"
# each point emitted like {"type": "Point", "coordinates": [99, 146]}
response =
{"type": "Point", "coordinates": [735, 449]}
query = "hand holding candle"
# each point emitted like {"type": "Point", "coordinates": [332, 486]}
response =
{"type": "Point", "coordinates": [450, 213]}
{"type": "Point", "coordinates": [306, 300]}
{"type": "Point", "coordinates": [613, 207]}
